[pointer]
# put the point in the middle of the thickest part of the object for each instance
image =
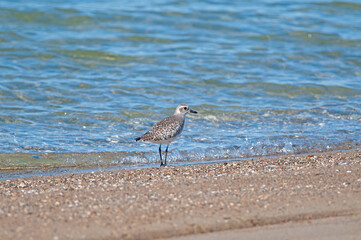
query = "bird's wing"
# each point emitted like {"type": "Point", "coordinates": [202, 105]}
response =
{"type": "Point", "coordinates": [164, 129]}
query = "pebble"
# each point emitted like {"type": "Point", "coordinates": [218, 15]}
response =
{"type": "Point", "coordinates": [125, 199]}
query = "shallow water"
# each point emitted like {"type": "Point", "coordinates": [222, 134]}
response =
{"type": "Point", "coordinates": [267, 78]}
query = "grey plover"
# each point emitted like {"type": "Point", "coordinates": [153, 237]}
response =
{"type": "Point", "coordinates": [167, 130]}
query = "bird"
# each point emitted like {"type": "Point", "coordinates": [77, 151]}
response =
{"type": "Point", "coordinates": [167, 130]}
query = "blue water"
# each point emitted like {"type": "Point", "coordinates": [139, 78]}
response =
{"type": "Point", "coordinates": [267, 77]}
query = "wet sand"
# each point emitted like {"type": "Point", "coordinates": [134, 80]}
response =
{"type": "Point", "coordinates": [332, 228]}
{"type": "Point", "coordinates": [258, 196]}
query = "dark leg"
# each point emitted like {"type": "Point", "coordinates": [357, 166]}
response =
{"type": "Point", "coordinates": [166, 153]}
{"type": "Point", "coordinates": [160, 154]}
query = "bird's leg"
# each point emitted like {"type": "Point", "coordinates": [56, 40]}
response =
{"type": "Point", "coordinates": [166, 153]}
{"type": "Point", "coordinates": [160, 154]}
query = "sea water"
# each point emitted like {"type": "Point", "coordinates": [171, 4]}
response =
{"type": "Point", "coordinates": [87, 77]}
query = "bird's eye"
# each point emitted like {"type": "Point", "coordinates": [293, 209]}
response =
{"type": "Point", "coordinates": [185, 108]}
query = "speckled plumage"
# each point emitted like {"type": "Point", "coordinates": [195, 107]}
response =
{"type": "Point", "coordinates": [167, 130]}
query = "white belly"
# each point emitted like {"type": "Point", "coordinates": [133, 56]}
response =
{"type": "Point", "coordinates": [167, 141]}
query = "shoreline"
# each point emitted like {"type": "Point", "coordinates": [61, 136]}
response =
{"type": "Point", "coordinates": [156, 203]}
{"type": "Point", "coordinates": [43, 163]}
{"type": "Point", "coordinates": [38, 169]}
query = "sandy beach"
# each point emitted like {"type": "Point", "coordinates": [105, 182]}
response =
{"type": "Point", "coordinates": [288, 197]}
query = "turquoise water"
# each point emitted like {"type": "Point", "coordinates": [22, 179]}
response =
{"type": "Point", "coordinates": [267, 77]}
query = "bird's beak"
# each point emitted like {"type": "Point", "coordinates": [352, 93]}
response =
{"type": "Point", "coordinates": [192, 111]}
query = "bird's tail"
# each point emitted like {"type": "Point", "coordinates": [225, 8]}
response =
{"type": "Point", "coordinates": [137, 139]}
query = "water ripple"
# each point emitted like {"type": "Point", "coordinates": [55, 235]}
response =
{"type": "Point", "coordinates": [267, 77]}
